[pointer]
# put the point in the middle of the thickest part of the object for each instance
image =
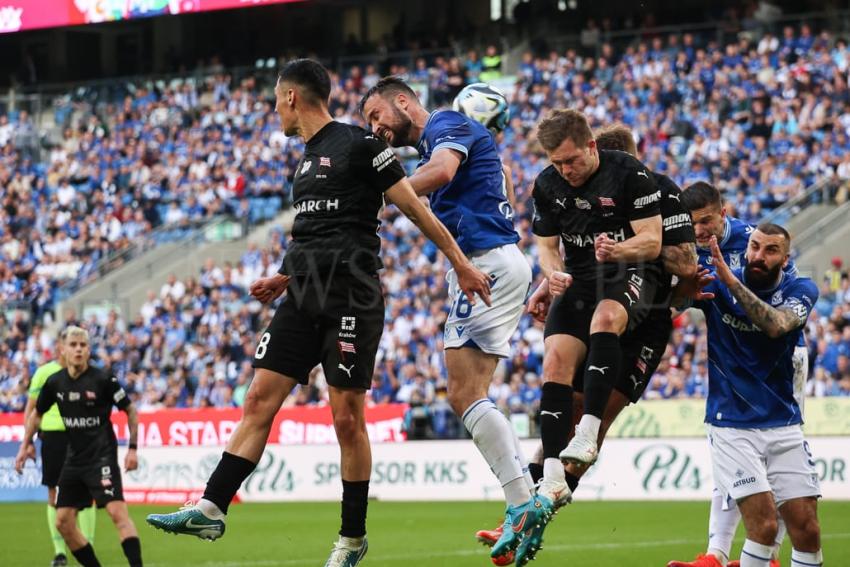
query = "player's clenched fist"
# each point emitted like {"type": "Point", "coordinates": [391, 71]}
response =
{"type": "Point", "coordinates": [559, 282]}
{"type": "Point", "coordinates": [265, 290]}
{"type": "Point", "coordinates": [539, 302]}
{"type": "Point", "coordinates": [604, 247]}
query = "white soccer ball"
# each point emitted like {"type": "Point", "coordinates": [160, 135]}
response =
{"type": "Point", "coordinates": [484, 104]}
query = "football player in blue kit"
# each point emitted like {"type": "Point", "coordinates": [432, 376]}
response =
{"type": "Point", "coordinates": [705, 204]}
{"type": "Point", "coordinates": [462, 175]}
{"type": "Point", "coordinates": [760, 458]}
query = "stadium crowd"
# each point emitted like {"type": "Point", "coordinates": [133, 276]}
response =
{"type": "Point", "coordinates": [761, 119]}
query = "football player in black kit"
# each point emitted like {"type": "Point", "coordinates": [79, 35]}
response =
{"type": "Point", "coordinates": [605, 209]}
{"type": "Point", "coordinates": [643, 347]}
{"type": "Point", "coordinates": [85, 396]}
{"type": "Point", "coordinates": [333, 313]}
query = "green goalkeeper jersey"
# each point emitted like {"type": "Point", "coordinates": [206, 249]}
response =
{"type": "Point", "coordinates": [51, 420]}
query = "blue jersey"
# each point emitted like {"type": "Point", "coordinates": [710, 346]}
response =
{"type": "Point", "coordinates": [733, 246]}
{"type": "Point", "coordinates": [473, 205]}
{"type": "Point", "coordinates": [751, 376]}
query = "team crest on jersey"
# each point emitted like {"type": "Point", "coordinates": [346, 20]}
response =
{"type": "Point", "coordinates": [777, 297]}
{"type": "Point", "coordinates": [324, 162]}
{"type": "Point", "coordinates": [606, 202]}
{"type": "Point", "coordinates": [582, 204]}
{"type": "Point", "coordinates": [734, 261]}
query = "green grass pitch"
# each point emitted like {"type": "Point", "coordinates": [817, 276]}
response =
{"type": "Point", "coordinates": [598, 534]}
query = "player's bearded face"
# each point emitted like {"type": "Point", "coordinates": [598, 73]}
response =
{"type": "Point", "coordinates": [388, 121]}
{"type": "Point", "coordinates": [766, 256]}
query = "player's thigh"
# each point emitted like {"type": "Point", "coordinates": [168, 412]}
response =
{"type": "Point", "coordinates": [738, 461]}
{"type": "Point", "coordinates": [489, 327]}
{"type": "Point", "coordinates": [634, 289]}
{"type": "Point", "coordinates": [642, 349]}
{"type": "Point", "coordinates": [103, 481]}
{"type": "Point", "coordinates": [758, 511]}
{"type": "Point", "coordinates": [290, 346]}
{"type": "Point", "coordinates": [72, 490]}
{"type": "Point", "coordinates": [801, 518]}
{"type": "Point", "coordinates": [54, 448]}
{"type": "Point", "coordinates": [350, 331]}
{"type": "Point", "coordinates": [790, 464]}
{"type": "Point", "coordinates": [348, 406]}
{"type": "Point", "coordinates": [570, 313]}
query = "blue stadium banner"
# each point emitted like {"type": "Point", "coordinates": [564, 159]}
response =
{"type": "Point", "coordinates": [20, 488]}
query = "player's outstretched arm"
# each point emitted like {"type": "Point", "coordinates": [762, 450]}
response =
{"type": "Point", "coordinates": [27, 450]}
{"type": "Point", "coordinates": [439, 171]}
{"type": "Point", "coordinates": [773, 321]}
{"type": "Point", "coordinates": [470, 279]}
{"type": "Point", "coordinates": [680, 259]}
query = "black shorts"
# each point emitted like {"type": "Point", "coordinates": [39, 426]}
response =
{"type": "Point", "coordinates": [341, 331]}
{"type": "Point", "coordinates": [54, 447]}
{"type": "Point", "coordinates": [641, 350]}
{"type": "Point", "coordinates": [80, 484]}
{"type": "Point", "coordinates": [571, 313]}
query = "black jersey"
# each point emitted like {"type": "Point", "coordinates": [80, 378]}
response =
{"type": "Point", "coordinates": [338, 194]}
{"type": "Point", "coordinates": [620, 191]}
{"type": "Point", "coordinates": [85, 403]}
{"type": "Point", "coordinates": [678, 228]}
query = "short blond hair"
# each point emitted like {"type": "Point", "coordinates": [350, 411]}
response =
{"type": "Point", "coordinates": [74, 331]}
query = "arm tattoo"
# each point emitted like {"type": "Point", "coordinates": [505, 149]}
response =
{"type": "Point", "coordinates": [680, 259]}
{"type": "Point", "coordinates": [772, 321]}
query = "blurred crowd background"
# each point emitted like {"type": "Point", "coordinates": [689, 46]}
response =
{"type": "Point", "coordinates": [762, 117]}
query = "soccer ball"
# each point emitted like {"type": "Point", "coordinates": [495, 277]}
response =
{"type": "Point", "coordinates": [484, 104]}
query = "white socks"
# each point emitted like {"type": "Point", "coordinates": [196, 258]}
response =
{"type": "Point", "coordinates": [781, 530]}
{"type": "Point", "coordinates": [756, 554]}
{"type": "Point", "coordinates": [589, 425]}
{"type": "Point", "coordinates": [553, 469]}
{"type": "Point", "coordinates": [210, 510]}
{"type": "Point", "coordinates": [806, 558]}
{"type": "Point", "coordinates": [494, 436]}
{"type": "Point", "coordinates": [722, 524]}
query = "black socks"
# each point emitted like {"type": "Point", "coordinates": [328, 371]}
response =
{"type": "Point", "coordinates": [556, 418]}
{"type": "Point", "coordinates": [600, 374]}
{"type": "Point", "coordinates": [226, 479]}
{"type": "Point", "coordinates": [355, 499]}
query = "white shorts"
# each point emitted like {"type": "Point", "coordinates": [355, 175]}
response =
{"type": "Point", "coordinates": [750, 461]}
{"type": "Point", "coordinates": [490, 328]}
{"type": "Point", "coordinates": [800, 360]}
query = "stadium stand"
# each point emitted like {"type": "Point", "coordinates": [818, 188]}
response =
{"type": "Point", "coordinates": [761, 118]}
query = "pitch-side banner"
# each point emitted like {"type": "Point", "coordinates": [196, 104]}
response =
{"type": "Point", "coordinates": [213, 427]}
{"type": "Point", "coordinates": [628, 469]}
{"type": "Point", "coordinates": [20, 15]}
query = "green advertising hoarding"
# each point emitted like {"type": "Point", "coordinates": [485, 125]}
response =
{"type": "Point", "coordinates": [684, 418]}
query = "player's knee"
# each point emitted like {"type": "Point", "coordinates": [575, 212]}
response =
{"type": "Point", "coordinates": [607, 321]}
{"type": "Point", "coordinates": [808, 534]}
{"type": "Point", "coordinates": [767, 528]}
{"type": "Point", "coordinates": [348, 426]}
{"type": "Point", "coordinates": [65, 524]}
{"type": "Point", "coordinates": [257, 408]}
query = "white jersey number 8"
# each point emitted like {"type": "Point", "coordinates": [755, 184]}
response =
{"type": "Point", "coordinates": [263, 347]}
